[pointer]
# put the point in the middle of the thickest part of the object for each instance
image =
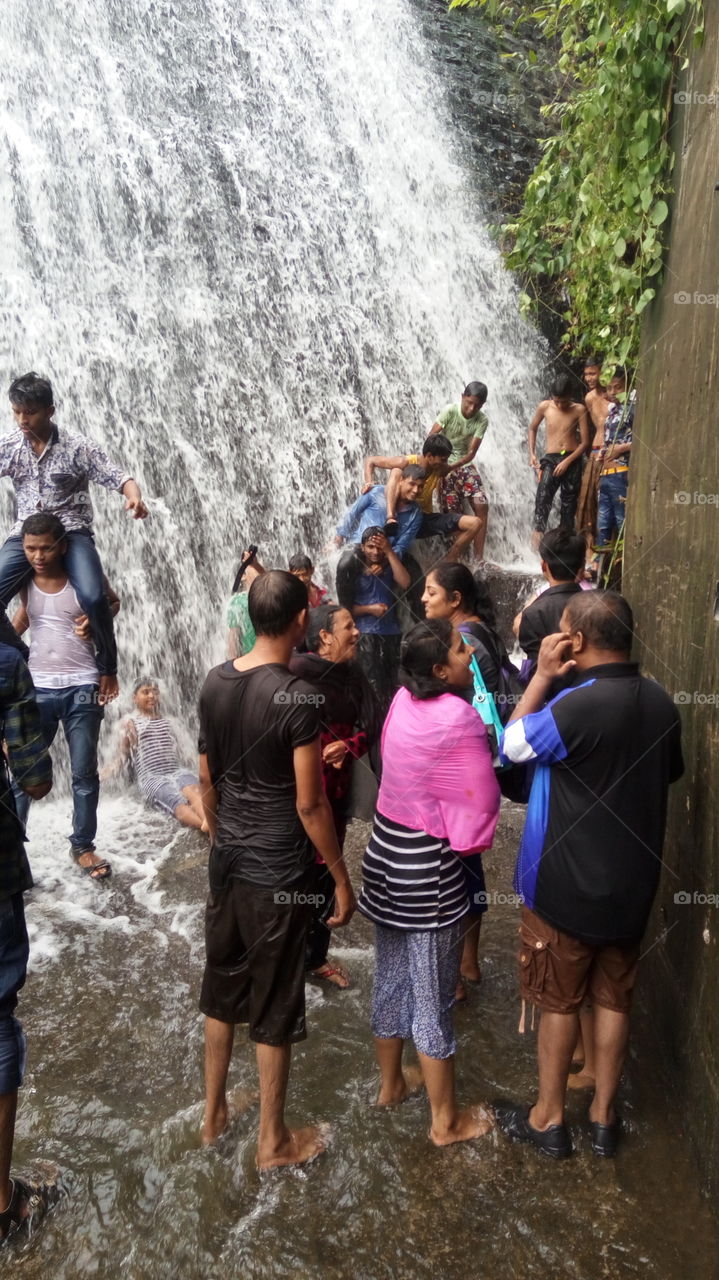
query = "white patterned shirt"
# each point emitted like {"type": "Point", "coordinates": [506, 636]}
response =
{"type": "Point", "coordinates": [57, 480]}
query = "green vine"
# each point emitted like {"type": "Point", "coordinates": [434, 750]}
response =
{"type": "Point", "coordinates": [590, 233]}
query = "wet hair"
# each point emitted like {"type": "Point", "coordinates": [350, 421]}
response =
{"type": "Point", "coordinates": [484, 604]}
{"type": "Point", "coordinates": [476, 390]}
{"type": "Point", "coordinates": [472, 590]}
{"type": "Point", "coordinates": [427, 644]}
{"type": "Point", "coordinates": [604, 618]}
{"type": "Point", "coordinates": [620, 372]}
{"type": "Point", "coordinates": [274, 600]}
{"type": "Point", "coordinates": [300, 563]}
{"type": "Point", "coordinates": [563, 553]}
{"type": "Point", "coordinates": [320, 619]}
{"type": "Point", "coordinates": [562, 388]}
{"type": "Point", "coordinates": [30, 389]}
{"type": "Point", "coordinates": [593, 362]}
{"type": "Point", "coordinates": [371, 532]}
{"type": "Point", "coordinates": [43, 522]}
{"type": "Point", "coordinates": [146, 682]}
{"type": "Point", "coordinates": [438, 446]}
{"type": "Point", "coordinates": [413, 472]}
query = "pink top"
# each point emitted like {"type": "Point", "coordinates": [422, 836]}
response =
{"type": "Point", "coordinates": [437, 773]}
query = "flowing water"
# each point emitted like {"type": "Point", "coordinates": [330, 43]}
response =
{"type": "Point", "coordinates": [247, 241]}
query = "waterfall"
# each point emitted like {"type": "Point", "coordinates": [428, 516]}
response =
{"type": "Point", "coordinates": [243, 241]}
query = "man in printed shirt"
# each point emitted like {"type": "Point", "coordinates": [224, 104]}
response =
{"type": "Point", "coordinates": [614, 478]}
{"type": "Point", "coordinates": [605, 750]}
{"type": "Point", "coordinates": [22, 1200]}
{"type": "Point", "coordinates": [51, 470]}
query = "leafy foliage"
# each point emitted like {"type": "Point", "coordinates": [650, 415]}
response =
{"type": "Point", "coordinates": [591, 230]}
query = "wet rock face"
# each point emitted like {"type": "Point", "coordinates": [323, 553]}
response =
{"type": "Point", "coordinates": [510, 592]}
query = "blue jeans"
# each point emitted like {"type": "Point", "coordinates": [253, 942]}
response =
{"type": "Point", "coordinates": [81, 715]}
{"type": "Point", "coordinates": [612, 505]}
{"type": "Point", "coordinates": [85, 573]}
{"type": "Point", "coordinates": [13, 968]}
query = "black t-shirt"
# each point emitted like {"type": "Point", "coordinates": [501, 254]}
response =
{"type": "Point", "coordinates": [606, 751]}
{"type": "Point", "coordinates": [541, 618]}
{"type": "Point", "coordinates": [250, 723]}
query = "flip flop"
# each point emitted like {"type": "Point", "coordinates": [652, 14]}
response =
{"type": "Point", "coordinates": [97, 870]}
{"type": "Point", "coordinates": [327, 972]}
{"type": "Point", "coordinates": [30, 1200]}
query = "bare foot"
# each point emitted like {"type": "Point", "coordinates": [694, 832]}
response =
{"type": "Point", "coordinates": [471, 1122]}
{"type": "Point", "coordinates": [299, 1146]}
{"type": "Point", "coordinates": [581, 1080]}
{"type": "Point", "coordinates": [412, 1082]}
{"type": "Point", "coordinates": [460, 992]}
{"type": "Point", "coordinates": [214, 1125]}
{"type": "Point", "coordinates": [474, 976]}
{"type": "Point", "coordinates": [332, 973]}
{"type": "Point", "coordinates": [204, 828]}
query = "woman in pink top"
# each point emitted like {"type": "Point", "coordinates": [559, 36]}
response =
{"type": "Point", "coordinates": [438, 800]}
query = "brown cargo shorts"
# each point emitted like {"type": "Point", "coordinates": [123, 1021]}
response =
{"type": "Point", "coordinates": [558, 972]}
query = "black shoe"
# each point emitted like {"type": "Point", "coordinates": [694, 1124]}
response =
{"type": "Point", "coordinates": [605, 1138]}
{"type": "Point", "coordinates": [513, 1120]}
{"type": "Point", "coordinates": [391, 528]}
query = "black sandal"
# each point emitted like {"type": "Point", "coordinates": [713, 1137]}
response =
{"type": "Point", "coordinates": [104, 868]}
{"type": "Point", "coordinates": [36, 1198]}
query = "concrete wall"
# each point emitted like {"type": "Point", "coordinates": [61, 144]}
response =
{"type": "Point", "coordinates": [672, 581]}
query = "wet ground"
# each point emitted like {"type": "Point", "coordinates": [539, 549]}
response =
{"type": "Point", "coordinates": [113, 1094]}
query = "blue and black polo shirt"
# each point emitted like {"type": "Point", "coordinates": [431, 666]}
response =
{"type": "Point", "coordinates": [606, 749]}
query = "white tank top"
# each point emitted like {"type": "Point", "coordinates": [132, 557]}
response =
{"type": "Point", "coordinates": [58, 658]}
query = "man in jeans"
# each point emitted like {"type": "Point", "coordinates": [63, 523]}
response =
{"type": "Point", "coordinates": [21, 1200]}
{"type": "Point", "coordinates": [65, 674]}
{"type": "Point", "coordinates": [51, 470]}
{"type": "Point", "coordinates": [606, 750]}
{"type": "Point", "coordinates": [267, 813]}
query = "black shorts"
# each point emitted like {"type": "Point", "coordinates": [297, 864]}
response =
{"type": "Point", "coordinates": [437, 524]}
{"type": "Point", "coordinates": [255, 970]}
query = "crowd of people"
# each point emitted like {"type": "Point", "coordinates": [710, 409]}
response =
{"type": "Point", "coordinates": [399, 667]}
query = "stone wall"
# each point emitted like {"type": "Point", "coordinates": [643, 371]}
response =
{"type": "Point", "coordinates": [672, 581]}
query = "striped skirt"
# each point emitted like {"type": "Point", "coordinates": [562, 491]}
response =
{"type": "Point", "coordinates": [411, 880]}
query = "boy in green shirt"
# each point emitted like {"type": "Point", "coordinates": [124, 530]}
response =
{"type": "Point", "coordinates": [464, 425]}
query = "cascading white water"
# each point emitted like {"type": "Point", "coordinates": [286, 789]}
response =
{"type": "Point", "coordinates": [243, 242]}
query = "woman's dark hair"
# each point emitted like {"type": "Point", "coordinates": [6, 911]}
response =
{"type": "Point", "coordinates": [484, 604]}
{"type": "Point", "coordinates": [320, 619]}
{"type": "Point", "coordinates": [473, 592]}
{"type": "Point", "coordinates": [422, 648]}
{"type": "Point", "coordinates": [30, 389]}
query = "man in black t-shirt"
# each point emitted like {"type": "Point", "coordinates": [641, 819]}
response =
{"type": "Point", "coordinates": [261, 777]}
{"type": "Point", "coordinates": [562, 555]}
{"type": "Point", "coordinates": [606, 750]}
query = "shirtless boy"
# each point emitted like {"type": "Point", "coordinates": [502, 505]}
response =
{"type": "Point", "coordinates": [567, 440]}
{"type": "Point", "coordinates": [597, 405]}
{"type": "Point", "coordinates": [434, 458]}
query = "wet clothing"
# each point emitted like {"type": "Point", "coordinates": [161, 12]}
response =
{"type": "Point", "coordinates": [58, 658]}
{"type": "Point", "coordinates": [415, 979]}
{"type": "Point", "coordinates": [156, 763]}
{"type": "Point", "coordinates": [378, 656]}
{"type": "Point", "coordinates": [255, 940]}
{"type": "Point", "coordinates": [29, 761]}
{"type": "Point", "coordinates": [250, 724]}
{"type": "Point", "coordinates": [541, 618]}
{"type": "Point", "coordinates": [568, 484]}
{"type": "Point", "coordinates": [461, 431]}
{"type": "Point", "coordinates": [558, 973]}
{"type": "Point", "coordinates": [431, 481]}
{"type": "Point", "coordinates": [377, 588]}
{"type": "Point", "coordinates": [612, 505]}
{"type": "Point", "coordinates": [14, 953]}
{"type": "Point", "coordinates": [589, 494]}
{"type": "Point", "coordinates": [460, 486]}
{"type": "Point", "coordinates": [238, 620]}
{"type": "Point", "coordinates": [411, 880]}
{"type": "Point", "coordinates": [439, 524]}
{"type": "Point", "coordinates": [78, 711]}
{"type": "Point", "coordinates": [57, 480]}
{"type": "Point", "coordinates": [85, 573]}
{"type": "Point", "coordinates": [371, 509]}
{"type": "Point", "coordinates": [606, 749]}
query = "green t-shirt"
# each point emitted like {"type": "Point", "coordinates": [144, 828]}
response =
{"type": "Point", "coordinates": [238, 619]}
{"type": "Point", "coordinates": [461, 431]}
